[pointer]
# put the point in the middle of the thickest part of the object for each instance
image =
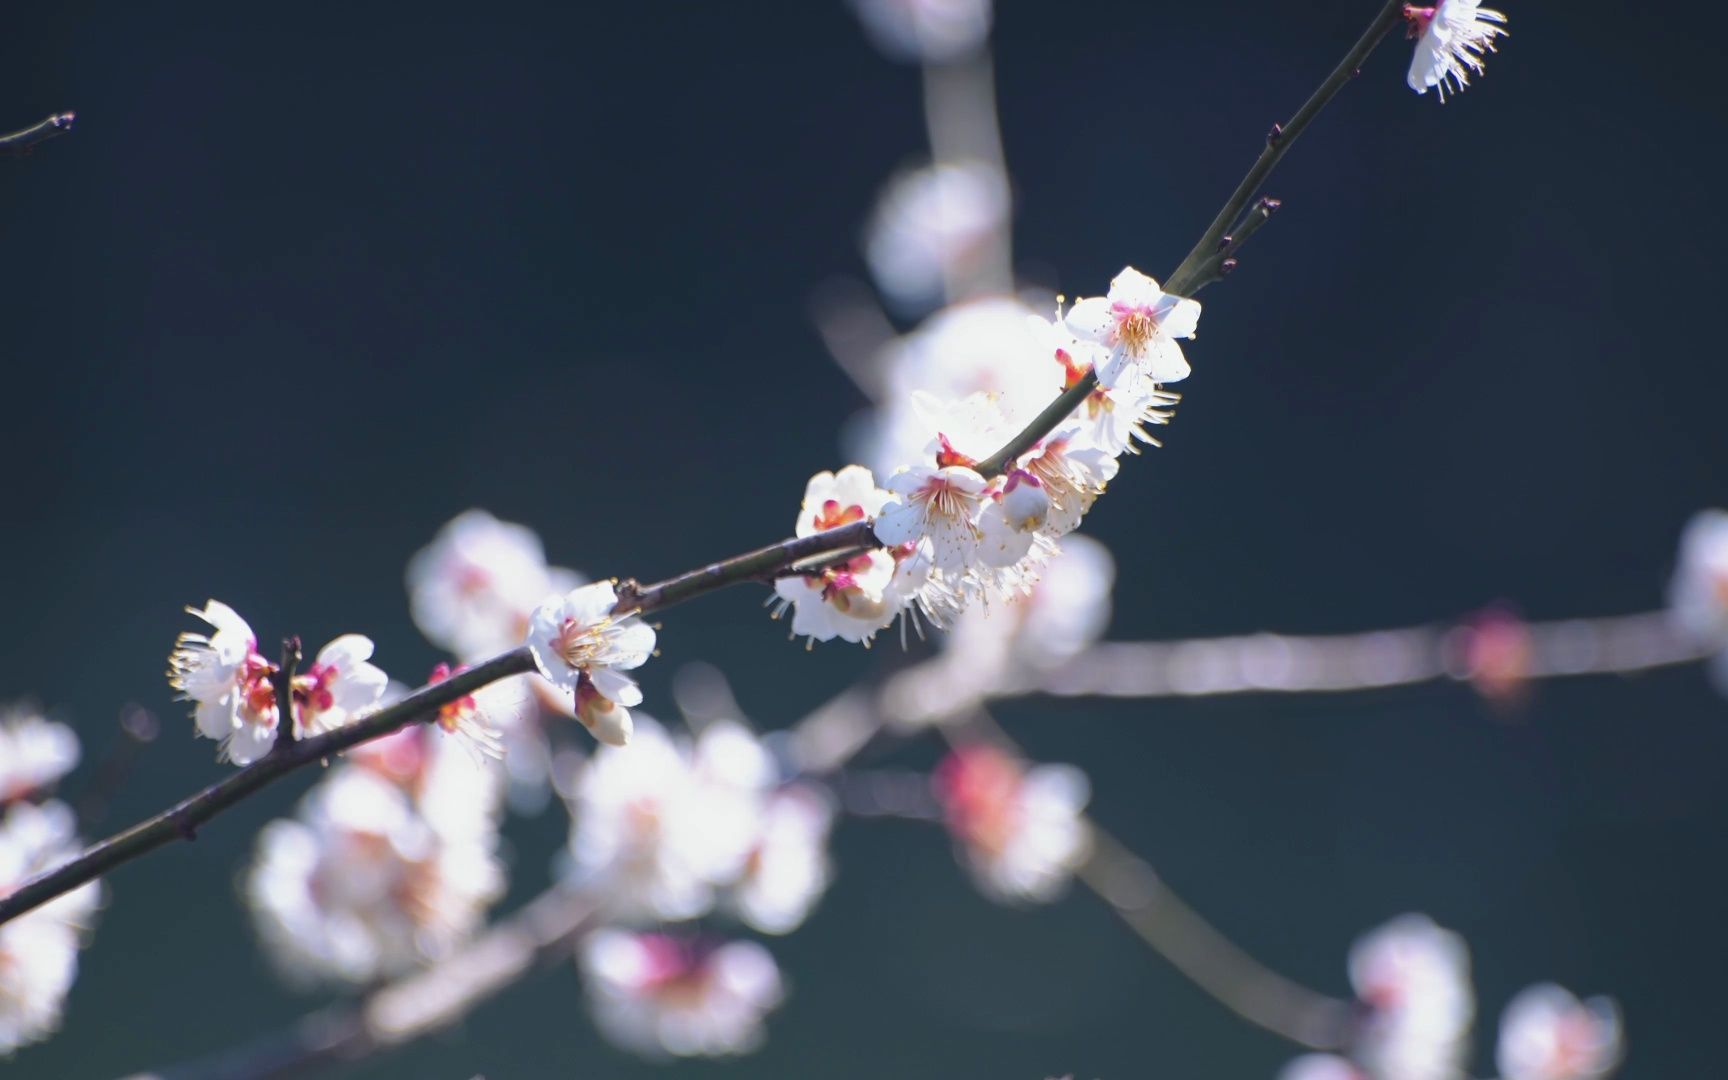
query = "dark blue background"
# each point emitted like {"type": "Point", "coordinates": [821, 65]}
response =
{"type": "Point", "coordinates": [307, 280]}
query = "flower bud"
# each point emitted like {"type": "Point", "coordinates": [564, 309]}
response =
{"type": "Point", "coordinates": [1025, 502]}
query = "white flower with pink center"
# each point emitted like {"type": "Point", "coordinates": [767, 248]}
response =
{"type": "Point", "coordinates": [1548, 1034]}
{"type": "Point", "coordinates": [35, 753]}
{"type": "Point", "coordinates": [659, 996]}
{"type": "Point", "coordinates": [584, 648]}
{"type": "Point", "coordinates": [39, 950]}
{"type": "Point", "coordinates": [1138, 323]}
{"type": "Point", "coordinates": [941, 505]}
{"type": "Point", "coordinates": [1415, 979]}
{"type": "Point", "coordinates": [1019, 830]}
{"type": "Point", "coordinates": [339, 687]}
{"type": "Point", "coordinates": [850, 600]}
{"type": "Point", "coordinates": [1073, 474]}
{"type": "Point", "coordinates": [1453, 37]}
{"type": "Point", "coordinates": [472, 589]}
{"type": "Point", "coordinates": [358, 886]}
{"type": "Point", "coordinates": [1113, 418]}
{"type": "Point", "coordinates": [229, 681]}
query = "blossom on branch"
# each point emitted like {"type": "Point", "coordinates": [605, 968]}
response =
{"type": "Point", "coordinates": [1138, 323]}
{"type": "Point", "coordinates": [1019, 830]}
{"type": "Point", "coordinates": [341, 685]}
{"type": "Point", "coordinates": [659, 995]}
{"type": "Point", "coordinates": [854, 599]}
{"type": "Point", "coordinates": [582, 648]}
{"type": "Point", "coordinates": [1452, 39]}
{"type": "Point", "coordinates": [1114, 418]}
{"type": "Point", "coordinates": [1548, 1034]}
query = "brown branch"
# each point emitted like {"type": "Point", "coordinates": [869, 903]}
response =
{"type": "Point", "coordinates": [22, 142]}
{"type": "Point", "coordinates": [283, 681]}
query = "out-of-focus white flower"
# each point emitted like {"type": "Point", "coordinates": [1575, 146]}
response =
{"type": "Point", "coordinates": [35, 753]}
{"type": "Point", "coordinates": [360, 887]}
{"type": "Point", "coordinates": [1321, 1067]}
{"type": "Point", "coordinates": [39, 950]}
{"type": "Point", "coordinates": [1548, 1034]}
{"type": "Point", "coordinates": [659, 996]}
{"type": "Point", "coordinates": [341, 685]}
{"type": "Point", "coordinates": [584, 650]}
{"type": "Point", "coordinates": [927, 30]}
{"type": "Point", "coordinates": [473, 588]}
{"type": "Point", "coordinates": [458, 792]}
{"type": "Point", "coordinates": [1452, 39]}
{"type": "Point", "coordinates": [1139, 323]}
{"type": "Point", "coordinates": [933, 225]}
{"type": "Point", "coordinates": [652, 835]}
{"type": "Point", "coordinates": [1019, 830]}
{"type": "Point", "coordinates": [1698, 593]}
{"type": "Point", "coordinates": [1415, 977]}
{"type": "Point", "coordinates": [941, 505]}
{"type": "Point", "coordinates": [787, 869]}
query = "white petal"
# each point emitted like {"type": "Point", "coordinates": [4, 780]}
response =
{"type": "Point", "coordinates": [899, 523]}
{"type": "Point", "coordinates": [1135, 289]}
{"type": "Point", "coordinates": [616, 686]}
{"type": "Point", "coordinates": [1091, 319]}
{"type": "Point", "coordinates": [1166, 364]}
{"type": "Point", "coordinates": [346, 652]}
{"type": "Point", "coordinates": [1178, 317]}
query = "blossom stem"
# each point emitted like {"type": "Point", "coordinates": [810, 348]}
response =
{"type": "Point", "coordinates": [283, 681]}
{"type": "Point", "coordinates": [22, 142]}
{"type": "Point", "coordinates": [762, 564]}
{"type": "Point", "coordinates": [182, 820]}
{"type": "Point", "coordinates": [1205, 263]}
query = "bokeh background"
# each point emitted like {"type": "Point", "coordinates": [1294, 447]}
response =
{"type": "Point", "coordinates": [308, 280]}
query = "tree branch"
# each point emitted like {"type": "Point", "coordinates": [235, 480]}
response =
{"type": "Point", "coordinates": [283, 680]}
{"type": "Point", "coordinates": [22, 142]}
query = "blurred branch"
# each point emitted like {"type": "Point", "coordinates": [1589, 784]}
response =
{"type": "Point", "coordinates": [22, 142]}
{"type": "Point", "coordinates": [1205, 263]}
{"type": "Point", "coordinates": [542, 933]}
{"type": "Point", "coordinates": [960, 118]}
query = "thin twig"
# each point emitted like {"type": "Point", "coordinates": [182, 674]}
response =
{"type": "Point", "coordinates": [22, 142]}
{"type": "Point", "coordinates": [283, 681]}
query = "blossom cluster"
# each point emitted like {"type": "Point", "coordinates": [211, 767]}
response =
{"type": "Point", "coordinates": [1412, 980]}
{"type": "Point", "coordinates": [38, 950]}
{"type": "Point", "coordinates": [391, 861]}
{"type": "Point", "coordinates": [674, 829]}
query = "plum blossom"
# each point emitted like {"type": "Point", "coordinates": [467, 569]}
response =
{"type": "Point", "coordinates": [1415, 979]}
{"type": "Point", "coordinates": [230, 682]}
{"type": "Point", "coordinates": [932, 225]}
{"type": "Point", "coordinates": [1138, 323]}
{"type": "Point", "coordinates": [926, 30]}
{"type": "Point", "coordinates": [1548, 1034]}
{"type": "Point", "coordinates": [1114, 418]}
{"type": "Point", "coordinates": [942, 504]}
{"type": "Point", "coordinates": [787, 869]}
{"type": "Point", "coordinates": [458, 792]}
{"type": "Point", "coordinates": [35, 753]}
{"type": "Point", "coordinates": [39, 949]}
{"type": "Point", "coordinates": [854, 599]}
{"type": "Point", "coordinates": [1698, 593]}
{"type": "Point", "coordinates": [358, 886]}
{"type": "Point", "coordinates": [656, 835]}
{"type": "Point", "coordinates": [658, 995]}
{"type": "Point", "coordinates": [1073, 475]}
{"type": "Point", "coordinates": [473, 588]}
{"type": "Point", "coordinates": [583, 648]}
{"type": "Point", "coordinates": [1019, 830]}
{"type": "Point", "coordinates": [1452, 39]}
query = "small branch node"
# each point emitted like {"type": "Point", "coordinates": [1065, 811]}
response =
{"type": "Point", "coordinates": [283, 680]}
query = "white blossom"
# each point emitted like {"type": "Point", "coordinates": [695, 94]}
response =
{"type": "Point", "coordinates": [1415, 979]}
{"type": "Point", "coordinates": [472, 589]}
{"type": "Point", "coordinates": [1113, 418]}
{"type": "Point", "coordinates": [340, 686]}
{"type": "Point", "coordinates": [927, 30]}
{"type": "Point", "coordinates": [458, 792]}
{"type": "Point", "coordinates": [583, 648]}
{"type": "Point", "coordinates": [358, 886]}
{"type": "Point", "coordinates": [1548, 1034]}
{"type": "Point", "coordinates": [941, 505]}
{"type": "Point", "coordinates": [1019, 830]}
{"type": "Point", "coordinates": [1452, 39]}
{"type": "Point", "coordinates": [39, 949]}
{"type": "Point", "coordinates": [35, 753]}
{"type": "Point", "coordinates": [1138, 323]}
{"type": "Point", "coordinates": [787, 869]}
{"type": "Point", "coordinates": [932, 225]}
{"type": "Point", "coordinates": [660, 996]}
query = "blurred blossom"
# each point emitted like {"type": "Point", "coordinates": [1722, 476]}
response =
{"type": "Point", "coordinates": [1138, 324]}
{"type": "Point", "coordinates": [1698, 593]}
{"type": "Point", "coordinates": [658, 995]}
{"type": "Point", "coordinates": [1548, 1034]}
{"type": "Point", "coordinates": [1321, 1067]}
{"type": "Point", "coordinates": [360, 887]}
{"type": "Point", "coordinates": [583, 649]}
{"type": "Point", "coordinates": [39, 950]}
{"type": "Point", "coordinates": [457, 793]}
{"type": "Point", "coordinates": [929, 30]}
{"type": "Point", "coordinates": [1452, 39]}
{"type": "Point", "coordinates": [472, 590]}
{"type": "Point", "coordinates": [230, 682]}
{"type": "Point", "coordinates": [1414, 978]}
{"type": "Point", "coordinates": [35, 753]}
{"type": "Point", "coordinates": [1019, 830]}
{"type": "Point", "coordinates": [788, 869]}
{"type": "Point", "coordinates": [1497, 653]}
{"type": "Point", "coordinates": [933, 225]}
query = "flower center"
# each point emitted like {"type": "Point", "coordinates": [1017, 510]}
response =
{"type": "Point", "coordinates": [1419, 18]}
{"type": "Point", "coordinates": [949, 456]}
{"type": "Point", "coordinates": [1135, 327]}
{"type": "Point", "coordinates": [833, 515]}
{"type": "Point", "coordinates": [579, 643]}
